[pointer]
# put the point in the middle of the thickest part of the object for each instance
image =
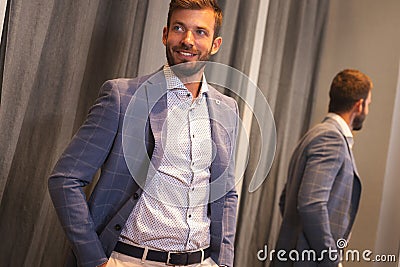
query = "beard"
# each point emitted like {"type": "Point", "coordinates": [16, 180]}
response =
{"type": "Point", "coordinates": [186, 68]}
{"type": "Point", "coordinates": [358, 121]}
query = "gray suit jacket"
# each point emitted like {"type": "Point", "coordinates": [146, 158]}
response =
{"type": "Point", "coordinates": [321, 197]}
{"type": "Point", "coordinates": [93, 227]}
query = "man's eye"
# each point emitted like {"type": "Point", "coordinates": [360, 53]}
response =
{"type": "Point", "coordinates": [201, 32]}
{"type": "Point", "coordinates": [178, 28]}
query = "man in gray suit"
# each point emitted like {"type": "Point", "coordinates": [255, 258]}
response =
{"type": "Point", "coordinates": [165, 144]}
{"type": "Point", "coordinates": [320, 200]}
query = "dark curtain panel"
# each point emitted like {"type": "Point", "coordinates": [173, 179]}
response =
{"type": "Point", "coordinates": [291, 49]}
{"type": "Point", "coordinates": [58, 53]}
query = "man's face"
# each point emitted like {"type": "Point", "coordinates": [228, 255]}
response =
{"type": "Point", "coordinates": [359, 118]}
{"type": "Point", "coordinates": [190, 38]}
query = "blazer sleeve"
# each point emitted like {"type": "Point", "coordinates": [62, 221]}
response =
{"type": "Point", "coordinates": [325, 156]}
{"type": "Point", "coordinates": [75, 169]}
{"type": "Point", "coordinates": [230, 205]}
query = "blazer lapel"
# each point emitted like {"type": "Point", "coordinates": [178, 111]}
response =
{"type": "Point", "coordinates": [156, 93]}
{"type": "Point", "coordinates": [217, 185]}
{"type": "Point", "coordinates": [214, 110]}
{"type": "Point", "coordinates": [354, 163]}
{"type": "Point", "coordinates": [330, 120]}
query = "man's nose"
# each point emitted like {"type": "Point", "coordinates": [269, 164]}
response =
{"type": "Point", "coordinates": [188, 39]}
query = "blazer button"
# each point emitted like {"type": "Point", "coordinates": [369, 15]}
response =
{"type": "Point", "coordinates": [117, 227]}
{"type": "Point", "coordinates": [135, 196]}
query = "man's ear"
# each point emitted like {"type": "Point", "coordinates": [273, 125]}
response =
{"type": "Point", "coordinates": [216, 45]}
{"type": "Point", "coordinates": [358, 106]}
{"type": "Point", "coordinates": [165, 35]}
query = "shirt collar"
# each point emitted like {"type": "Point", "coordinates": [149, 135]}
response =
{"type": "Point", "coordinates": [344, 127]}
{"type": "Point", "coordinates": [342, 123]}
{"type": "Point", "coordinates": [173, 82]}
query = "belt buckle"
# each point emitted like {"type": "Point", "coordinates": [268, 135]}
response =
{"type": "Point", "coordinates": [168, 258]}
{"type": "Point", "coordinates": [187, 255]}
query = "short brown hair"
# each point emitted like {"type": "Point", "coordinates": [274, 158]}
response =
{"type": "Point", "coordinates": [197, 5]}
{"type": "Point", "coordinates": [348, 87]}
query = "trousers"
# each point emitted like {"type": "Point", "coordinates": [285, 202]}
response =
{"type": "Point", "coordinates": [121, 260]}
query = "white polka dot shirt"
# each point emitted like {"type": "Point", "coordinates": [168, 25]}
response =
{"type": "Point", "coordinates": [171, 214]}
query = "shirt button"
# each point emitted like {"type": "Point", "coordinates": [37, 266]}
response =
{"type": "Point", "coordinates": [190, 215]}
{"type": "Point", "coordinates": [117, 227]}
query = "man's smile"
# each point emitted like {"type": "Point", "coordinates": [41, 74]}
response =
{"type": "Point", "coordinates": [186, 54]}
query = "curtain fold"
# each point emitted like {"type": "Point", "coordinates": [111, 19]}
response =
{"type": "Point", "coordinates": [58, 53]}
{"type": "Point", "coordinates": [290, 57]}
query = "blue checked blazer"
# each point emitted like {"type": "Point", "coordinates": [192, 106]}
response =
{"type": "Point", "coordinates": [93, 226]}
{"type": "Point", "coordinates": [321, 197]}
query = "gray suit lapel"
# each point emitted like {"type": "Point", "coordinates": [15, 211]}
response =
{"type": "Point", "coordinates": [330, 120]}
{"type": "Point", "coordinates": [217, 185]}
{"type": "Point", "coordinates": [353, 161]}
{"type": "Point", "coordinates": [219, 133]}
{"type": "Point", "coordinates": [156, 92]}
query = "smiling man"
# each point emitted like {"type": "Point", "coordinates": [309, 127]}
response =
{"type": "Point", "coordinates": [184, 213]}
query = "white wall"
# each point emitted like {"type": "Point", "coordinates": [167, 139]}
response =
{"type": "Point", "coordinates": [365, 34]}
{"type": "Point", "coordinates": [388, 237]}
{"type": "Point", "coordinates": [3, 5]}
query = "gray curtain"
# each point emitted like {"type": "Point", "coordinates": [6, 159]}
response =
{"type": "Point", "coordinates": [57, 55]}
{"type": "Point", "coordinates": [55, 58]}
{"type": "Point", "coordinates": [291, 49]}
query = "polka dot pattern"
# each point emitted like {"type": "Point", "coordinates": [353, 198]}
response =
{"type": "Point", "coordinates": [172, 211]}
